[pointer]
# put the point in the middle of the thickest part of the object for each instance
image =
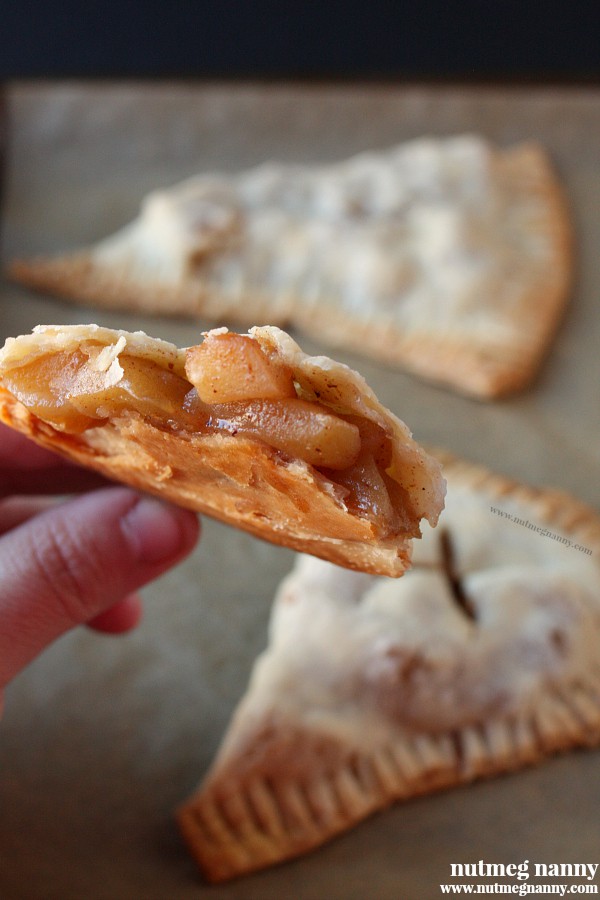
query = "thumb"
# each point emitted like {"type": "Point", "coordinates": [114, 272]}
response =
{"type": "Point", "coordinates": [69, 564]}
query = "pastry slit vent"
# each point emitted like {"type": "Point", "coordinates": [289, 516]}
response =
{"type": "Point", "coordinates": [229, 385]}
{"type": "Point", "coordinates": [453, 578]}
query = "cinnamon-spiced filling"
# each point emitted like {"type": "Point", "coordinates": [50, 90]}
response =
{"type": "Point", "coordinates": [232, 387]}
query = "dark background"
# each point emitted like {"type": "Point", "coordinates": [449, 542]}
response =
{"type": "Point", "coordinates": [414, 39]}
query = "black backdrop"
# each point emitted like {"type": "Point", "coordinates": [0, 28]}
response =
{"type": "Point", "coordinates": [413, 39]}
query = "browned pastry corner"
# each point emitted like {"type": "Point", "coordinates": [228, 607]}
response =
{"type": "Point", "coordinates": [246, 428]}
{"type": "Point", "coordinates": [449, 257]}
{"type": "Point", "coordinates": [483, 659]}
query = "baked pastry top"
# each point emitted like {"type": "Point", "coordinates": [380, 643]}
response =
{"type": "Point", "coordinates": [292, 448]}
{"type": "Point", "coordinates": [450, 257]}
{"type": "Point", "coordinates": [483, 658]}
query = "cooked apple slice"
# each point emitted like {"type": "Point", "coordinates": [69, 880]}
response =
{"type": "Point", "coordinates": [227, 367]}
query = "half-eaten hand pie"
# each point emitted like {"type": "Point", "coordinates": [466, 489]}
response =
{"type": "Point", "coordinates": [484, 657]}
{"type": "Point", "coordinates": [247, 428]}
{"type": "Point", "coordinates": [450, 257]}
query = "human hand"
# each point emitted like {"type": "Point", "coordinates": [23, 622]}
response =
{"type": "Point", "coordinates": [78, 561]}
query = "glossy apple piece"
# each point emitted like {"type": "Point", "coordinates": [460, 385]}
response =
{"type": "Point", "coordinates": [229, 367]}
{"type": "Point", "coordinates": [296, 427]}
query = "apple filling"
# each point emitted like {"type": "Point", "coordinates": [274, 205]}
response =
{"type": "Point", "coordinates": [231, 387]}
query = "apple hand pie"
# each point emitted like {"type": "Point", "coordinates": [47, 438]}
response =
{"type": "Point", "coordinates": [247, 428]}
{"type": "Point", "coordinates": [484, 657]}
{"type": "Point", "coordinates": [449, 257]}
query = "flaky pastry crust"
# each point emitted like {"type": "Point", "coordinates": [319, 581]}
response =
{"type": "Point", "coordinates": [449, 257]}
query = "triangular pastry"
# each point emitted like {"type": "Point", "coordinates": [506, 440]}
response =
{"type": "Point", "coordinates": [450, 257]}
{"type": "Point", "coordinates": [484, 657]}
{"type": "Point", "coordinates": [293, 448]}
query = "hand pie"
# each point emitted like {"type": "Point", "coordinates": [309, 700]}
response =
{"type": "Point", "coordinates": [484, 657]}
{"type": "Point", "coordinates": [449, 257]}
{"type": "Point", "coordinates": [247, 428]}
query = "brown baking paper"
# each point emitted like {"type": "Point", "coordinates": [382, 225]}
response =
{"type": "Point", "coordinates": [101, 737]}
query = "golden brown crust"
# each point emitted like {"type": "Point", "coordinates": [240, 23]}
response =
{"type": "Point", "coordinates": [316, 790]}
{"type": "Point", "coordinates": [283, 785]}
{"type": "Point", "coordinates": [489, 363]}
{"type": "Point", "coordinates": [81, 280]}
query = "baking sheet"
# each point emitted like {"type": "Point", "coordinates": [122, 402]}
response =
{"type": "Point", "coordinates": [103, 737]}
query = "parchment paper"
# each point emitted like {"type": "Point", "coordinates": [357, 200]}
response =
{"type": "Point", "coordinates": [103, 737]}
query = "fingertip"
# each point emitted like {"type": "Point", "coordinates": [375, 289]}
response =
{"type": "Point", "coordinates": [159, 533]}
{"type": "Point", "coordinates": [120, 618]}
{"type": "Point", "coordinates": [191, 529]}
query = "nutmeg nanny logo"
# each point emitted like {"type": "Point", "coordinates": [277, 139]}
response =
{"type": "Point", "coordinates": [516, 878]}
{"type": "Point", "coordinates": [522, 870]}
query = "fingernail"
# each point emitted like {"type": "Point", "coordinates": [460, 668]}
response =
{"type": "Point", "coordinates": [156, 531]}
